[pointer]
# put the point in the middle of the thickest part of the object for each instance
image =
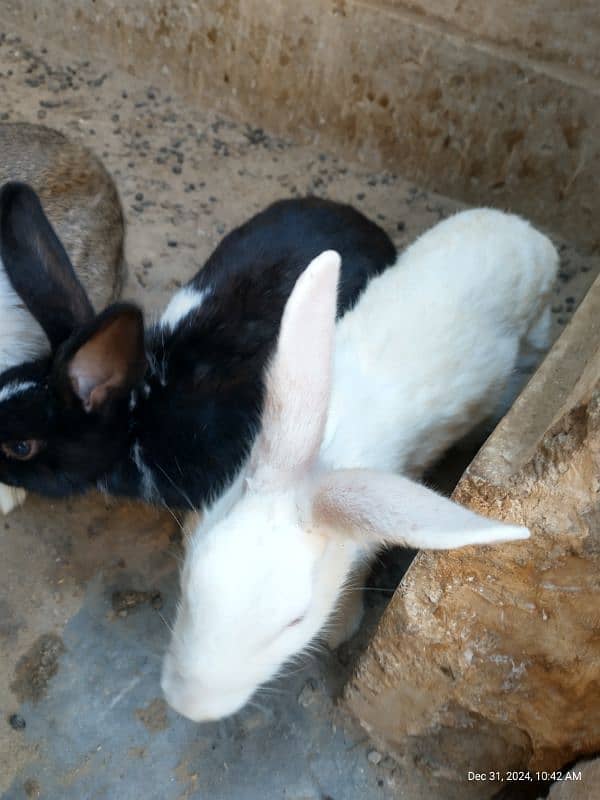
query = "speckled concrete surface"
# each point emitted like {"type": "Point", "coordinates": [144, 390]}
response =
{"type": "Point", "coordinates": [81, 714]}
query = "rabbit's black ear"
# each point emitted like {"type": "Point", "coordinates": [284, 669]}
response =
{"type": "Point", "coordinates": [38, 266]}
{"type": "Point", "coordinates": [106, 359]}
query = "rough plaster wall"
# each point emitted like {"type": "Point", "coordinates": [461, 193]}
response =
{"type": "Point", "coordinates": [498, 106]}
{"type": "Point", "coordinates": [564, 34]}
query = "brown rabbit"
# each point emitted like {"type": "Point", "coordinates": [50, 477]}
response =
{"type": "Point", "coordinates": [78, 196]}
{"type": "Point", "coordinates": [82, 203]}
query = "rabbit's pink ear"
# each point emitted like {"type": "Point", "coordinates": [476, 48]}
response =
{"type": "Point", "coordinates": [299, 378]}
{"type": "Point", "coordinates": [379, 508]}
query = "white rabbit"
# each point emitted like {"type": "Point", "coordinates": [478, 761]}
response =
{"type": "Point", "coordinates": [421, 359]}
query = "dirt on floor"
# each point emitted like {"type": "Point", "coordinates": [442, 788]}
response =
{"type": "Point", "coordinates": [36, 668]}
{"type": "Point", "coordinates": [88, 585]}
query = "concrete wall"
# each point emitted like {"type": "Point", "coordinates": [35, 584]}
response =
{"type": "Point", "coordinates": [495, 102]}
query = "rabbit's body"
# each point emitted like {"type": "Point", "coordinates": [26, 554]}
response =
{"type": "Point", "coordinates": [83, 206]}
{"type": "Point", "coordinates": [422, 358]}
{"type": "Point", "coordinates": [426, 354]}
{"type": "Point", "coordinates": [194, 422]}
{"type": "Point", "coordinates": [168, 418]}
{"type": "Point", "coordinates": [79, 198]}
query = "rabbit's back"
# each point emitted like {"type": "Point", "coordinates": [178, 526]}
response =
{"type": "Point", "coordinates": [488, 263]}
{"type": "Point", "coordinates": [79, 197]}
{"type": "Point", "coordinates": [210, 348]}
{"type": "Point", "coordinates": [429, 348]}
{"type": "Point", "coordinates": [270, 250]}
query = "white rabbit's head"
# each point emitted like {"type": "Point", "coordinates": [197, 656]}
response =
{"type": "Point", "coordinates": [265, 567]}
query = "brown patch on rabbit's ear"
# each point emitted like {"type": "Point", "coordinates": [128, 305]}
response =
{"type": "Point", "coordinates": [109, 359]}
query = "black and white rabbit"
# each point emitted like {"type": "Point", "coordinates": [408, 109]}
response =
{"type": "Point", "coordinates": [82, 203]}
{"type": "Point", "coordinates": [168, 414]}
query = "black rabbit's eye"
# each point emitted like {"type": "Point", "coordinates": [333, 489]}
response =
{"type": "Point", "coordinates": [21, 449]}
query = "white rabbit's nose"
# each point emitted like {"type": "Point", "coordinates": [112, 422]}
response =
{"type": "Point", "coordinates": [179, 692]}
{"type": "Point", "coordinates": [194, 699]}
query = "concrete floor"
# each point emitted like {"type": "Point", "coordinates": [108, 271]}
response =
{"type": "Point", "coordinates": [86, 586]}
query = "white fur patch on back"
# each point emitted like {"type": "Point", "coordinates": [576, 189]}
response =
{"type": "Point", "coordinates": [14, 388]}
{"type": "Point", "coordinates": [181, 304]}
